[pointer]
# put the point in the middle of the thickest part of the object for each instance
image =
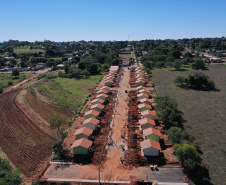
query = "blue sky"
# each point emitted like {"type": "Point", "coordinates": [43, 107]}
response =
{"type": "Point", "coordinates": [74, 20]}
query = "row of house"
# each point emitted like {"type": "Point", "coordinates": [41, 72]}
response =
{"type": "Point", "coordinates": [109, 81]}
{"type": "Point", "coordinates": [150, 146]}
{"type": "Point", "coordinates": [83, 136]}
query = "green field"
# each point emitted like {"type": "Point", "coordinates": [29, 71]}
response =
{"type": "Point", "coordinates": [27, 50]}
{"type": "Point", "coordinates": [5, 78]}
{"type": "Point", "coordinates": [124, 55]}
{"type": "Point", "coordinates": [68, 93]}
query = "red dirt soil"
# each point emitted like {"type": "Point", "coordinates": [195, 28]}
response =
{"type": "Point", "coordinates": [44, 109]}
{"type": "Point", "coordinates": [25, 144]}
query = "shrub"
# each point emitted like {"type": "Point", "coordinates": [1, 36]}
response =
{"type": "Point", "coordinates": [41, 76]}
{"type": "Point", "coordinates": [177, 64]}
{"type": "Point", "coordinates": [179, 79]}
{"type": "Point", "coordinates": [10, 82]}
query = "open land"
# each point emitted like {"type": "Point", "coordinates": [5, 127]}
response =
{"type": "Point", "coordinates": [25, 144]}
{"type": "Point", "coordinates": [204, 114]}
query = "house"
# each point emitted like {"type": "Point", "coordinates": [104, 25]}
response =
{"type": "Point", "coordinates": [83, 133]}
{"type": "Point", "coordinates": [140, 83]}
{"type": "Point", "coordinates": [82, 147]}
{"type": "Point", "coordinates": [102, 91]}
{"type": "Point", "coordinates": [146, 123]}
{"type": "Point", "coordinates": [142, 95]}
{"type": "Point", "coordinates": [97, 107]}
{"type": "Point", "coordinates": [144, 91]}
{"type": "Point", "coordinates": [91, 114]}
{"type": "Point", "coordinates": [147, 101]}
{"type": "Point", "coordinates": [142, 107]}
{"type": "Point", "coordinates": [140, 88]}
{"type": "Point", "coordinates": [91, 123]}
{"type": "Point", "coordinates": [151, 133]}
{"type": "Point", "coordinates": [150, 148]}
{"type": "Point", "coordinates": [148, 114]}
{"type": "Point", "coordinates": [114, 68]}
{"type": "Point", "coordinates": [106, 88]}
{"type": "Point", "coordinates": [102, 96]}
{"type": "Point", "coordinates": [97, 101]}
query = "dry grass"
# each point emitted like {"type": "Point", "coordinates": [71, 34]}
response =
{"type": "Point", "coordinates": [204, 113]}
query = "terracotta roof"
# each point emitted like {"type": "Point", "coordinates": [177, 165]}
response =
{"type": "Point", "coordinates": [92, 120]}
{"type": "Point", "coordinates": [84, 130]}
{"type": "Point", "coordinates": [104, 95]}
{"type": "Point", "coordinates": [146, 120]}
{"type": "Point", "coordinates": [149, 131]}
{"type": "Point", "coordinates": [97, 105]}
{"type": "Point", "coordinates": [144, 105]}
{"type": "Point", "coordinates": [146, 99]}
{"type": "Point", "coordinates": [148, 112]}
{"type": "Point", "coordinates": [102, 91]}
{"type": "Point", "coordinates": [150, 143]}
{"type": "Point", "coordinates": [82, 142]}
{"type": "Point", "coordinates": [142, 94]}
{"type": "Point", "coordinates": [93, 112]}
{"type": "Point", "coordinates": [104, 87]}
{"type": "Point", "coordinates": [143, 90]}
{"type": "Point", "coordinates": [97, 100]}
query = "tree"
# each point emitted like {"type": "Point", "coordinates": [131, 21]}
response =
{"type": "Point", "coordinates": [66, 67]}
{"type": "Point", "coordinates": [1, 89]}
{"type": "Point", "coordinates": [179, 79]}
{"type": "Point", "coordinates": [198, 64]}
{"type": "Point", "coordinates": [93, 69]}
{"type": "Point", "coordinates": [175, 135]}
{"type": "Point", "coordinates": [56, 121]}
{"type": "Point", "coordinates": [16, 73]}
{"type": "Point", "coordinates": [177, 64]}
{"type": "Point", "coordinates": [51, 63]}
{"type": "Point", "coordinates": [187, 154]}
{"type": "Point", "coordinates": [86, 73]}
{"type": "Point", "coordinates": [200, 81]}
{"type": "Point", "coordinates": [8, 176]}
{"type": "Point", "coordinates": [76, 73]}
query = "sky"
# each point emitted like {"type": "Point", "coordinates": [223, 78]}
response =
{"type": "Point", "coordinates": [103, 20]}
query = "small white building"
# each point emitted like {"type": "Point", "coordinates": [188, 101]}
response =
{"type": "Point", "coordinates": [150, 148]}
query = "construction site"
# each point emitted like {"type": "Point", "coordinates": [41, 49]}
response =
{"type": "Point", "coordinates": [123, 143]}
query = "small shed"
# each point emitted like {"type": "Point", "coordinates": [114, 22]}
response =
{"type": "Point", "coordinates": [82, 147]}
{"type": "Point", "coordinates": [150, 148]}
{"type": "Point", "coordinates": [143, 106]}
{"type": "Point", "coordinates": [148, 114]}
{"type": "Point", "coordinates": [97, 101]}
{"type": "Point", "coordinates": [146, 123]}
{"type": "Point", "coordinates": [142, 95]}
{"type": "Point", "coordinates": [97, 107]}
{"type": "Point", "coordinates": [91, 114]}
{"type": "Point", "coordinates": [91, 123]}
{"type": "Point", "coordinates": [83, 133]}
{"type": "Point", "coordinates": [151, 133]}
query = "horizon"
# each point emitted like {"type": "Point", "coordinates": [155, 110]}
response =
{"type": "Point", "coordinates": [65, 21]}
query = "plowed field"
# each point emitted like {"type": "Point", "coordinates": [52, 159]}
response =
{"type": "Point", "coordinates": [44, 109]}
{"type": "Point", "coordinates": [24, 143]}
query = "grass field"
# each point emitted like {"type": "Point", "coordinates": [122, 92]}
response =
{"type": "Point", "coordinates": [68, 93]}
{"type": "Point", "coordinates": [5, 78]}
{"type": "Point", "coordinates": [204, 114]}
{"type": "Point", "coordinates": [27, 50]}
{"type": "Point", "coordinates": [124, 55]}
